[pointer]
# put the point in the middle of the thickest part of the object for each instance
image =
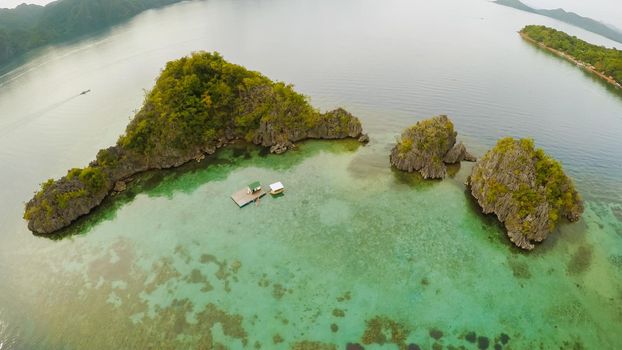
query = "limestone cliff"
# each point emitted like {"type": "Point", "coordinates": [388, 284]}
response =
{"type": "Point", "coordinates": [526, 189]}
{"type": "Point", "coordinates": [336, 124]}
{"type": "Point", "coordinates": [427, 146]}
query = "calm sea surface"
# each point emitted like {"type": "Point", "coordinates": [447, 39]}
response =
{"type": "Point", "coordinates": [354, 252]}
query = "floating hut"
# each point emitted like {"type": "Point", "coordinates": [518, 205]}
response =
{"type": "Point", "coordinates": [249, 194]}
{"type": "Point", "coordinates": [253, 187]}
{"type": "Point", "coordinates": [276, 188]}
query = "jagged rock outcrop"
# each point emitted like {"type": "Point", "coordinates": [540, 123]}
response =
{"type": "Point", "coordinates": [336, 124]}
{"type": "Point", "coordinates": [199, 104]}
{"type": "Point", "coordinates": [61, 202]}
{"type": "Point", "coordinates": [120, 186]}
{"type": "Point", "coordinates": [427, 146]}
{"type": "Point", "coordinates": [526, 189]}
{"type": "Point", "coordinates": [47, 212]}
{"type": "Point", "coordinates": [364, 138]}
{"type": "Point", "coordinates": [458, 153]}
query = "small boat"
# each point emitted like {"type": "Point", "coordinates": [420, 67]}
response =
{"type": "Point", "coordinates": [85, 92]}
{"type": "Point", "coordinates": [276, 188]}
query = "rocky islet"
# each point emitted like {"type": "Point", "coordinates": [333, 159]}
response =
{"type": "Point", "coordinates": [427, 147]}
{"type": "Point", "coordinates": [526, 189]}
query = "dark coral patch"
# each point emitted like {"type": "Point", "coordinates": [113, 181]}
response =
{"type": "Point", "coordinates": [354, 346]}
{"type": "Point", "coordinates": [312, 345]}
{"type": "Point", "coordinates": [498, 346]}
{"type": "Point", "coordinates": [519, 269]}
{"type": "Point", "coordinates": [616, 260]}
{"type": "Point", "coordinates": [413, 347]}
{"type": "Point", "coordinates": [381, 330]}
{"type": "Point", "coordinates": [436, 333]}
{"type": "Point", "coordinates": [334, 327]}
{"type": "Point", "coordinates": [277, 339]}
{"type": "Point", "coordinates": [339, 313]}
{"type": "Point", "coordinates": [504, 338]}
{"type": "Point", "coordinates": [577, 345]}
{"type": "Point", "coordinates": [347, 296]}
{"type": "Point", "coordinates": [483, 342]}
{"type": "Point", "coordinates": [278, 291]}
{"type": "Point", "coordinates": [580, 261]}
{"type": "Point", "coordinates": [471, 337]}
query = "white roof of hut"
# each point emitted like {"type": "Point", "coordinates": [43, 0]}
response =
{"type": "Point", "coordinates": [276, 186]}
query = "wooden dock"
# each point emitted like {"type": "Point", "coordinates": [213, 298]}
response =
{"type": "Point", "coordinates": [242, 197]}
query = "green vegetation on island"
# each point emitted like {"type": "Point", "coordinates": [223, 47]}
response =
{"type": "Point", "coordinates": [526, 188]}
{"type": "Point", "coordinates": [427, 146]}
{"type": "Point", "coordinates": [569, 17]}
{"type": "Point", "coordinates": [29, 26]}
{"type": "Point", "coordinates": [601, 60]}
{"type": "Point", "coordinates": [198, 104]}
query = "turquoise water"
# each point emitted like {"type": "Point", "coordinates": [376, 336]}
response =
{"type": "Point", "coordinates": [359, 238]}
{"type": "Point", "coordinates": [354, 250]}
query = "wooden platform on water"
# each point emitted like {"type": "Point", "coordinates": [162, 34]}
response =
{"type": "Point", "coordinates": [242, 197]}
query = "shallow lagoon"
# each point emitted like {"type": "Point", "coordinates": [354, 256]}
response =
{"type": "Point", "coordinates": [352, 246]}
{"type": "Point", "coordinates": [341, 247]}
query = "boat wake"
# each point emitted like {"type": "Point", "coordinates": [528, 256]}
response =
{"type": "Point", "coordinates": [11, 126]}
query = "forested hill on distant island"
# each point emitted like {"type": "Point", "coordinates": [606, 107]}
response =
{"type": "Point", "coordinates": [605, 63]}
{"type": "Point", "coordinates": [570, 18]}
{"type": "Point", "coordinates": [29, 26]}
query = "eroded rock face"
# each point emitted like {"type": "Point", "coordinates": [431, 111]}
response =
{"type": "Point", "coordinates": [364, 138]}
{"type": "Point", "coordinates": [526, 189]}
{"type": "Point", "coordinates": [48, 212]}
{"type": "Point", "coordinates": [120, 186]}
{"type": "Point", "coordinates": [336, 124]}
{"type": "Point", "coordinates": [427, 146]}
{"type": "Point", "coordinates": [458, 153]}
{"type": "Point", "coordinates": [63, 201]}
{"type": "Point", "coordinates": [54, 212]}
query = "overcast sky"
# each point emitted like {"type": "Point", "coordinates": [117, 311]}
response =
{"type": "Point", "coordinates": [13, 3]}
{"type": "Point", "coordinates": [609, 11]}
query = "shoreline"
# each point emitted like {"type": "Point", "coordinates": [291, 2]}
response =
{"type": "Point", "coordinates": [199, 156]}
{"type": "Point", "coordinates": [580, 64]}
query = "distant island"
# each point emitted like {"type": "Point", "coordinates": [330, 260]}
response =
{"type": "Point", "coordinates": [603, 62]}
{"type": "Point", "coordinates": [570, 18]}
{"type": "Point", "coordinates": [199, 103]}
{"type": "Point", "coordinates": [30, 26]}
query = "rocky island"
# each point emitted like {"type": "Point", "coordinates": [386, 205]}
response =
{"type": "Point", "coordinates": [199, 103]}
{"type": "Point", "coordinates": [526, 189]}
{"type": "Point", "coordinates": [571, 18]}
{"type": "Point", "coordinates": [603, 62]}
{"type": "Point", "coordinates": [427, 147]}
